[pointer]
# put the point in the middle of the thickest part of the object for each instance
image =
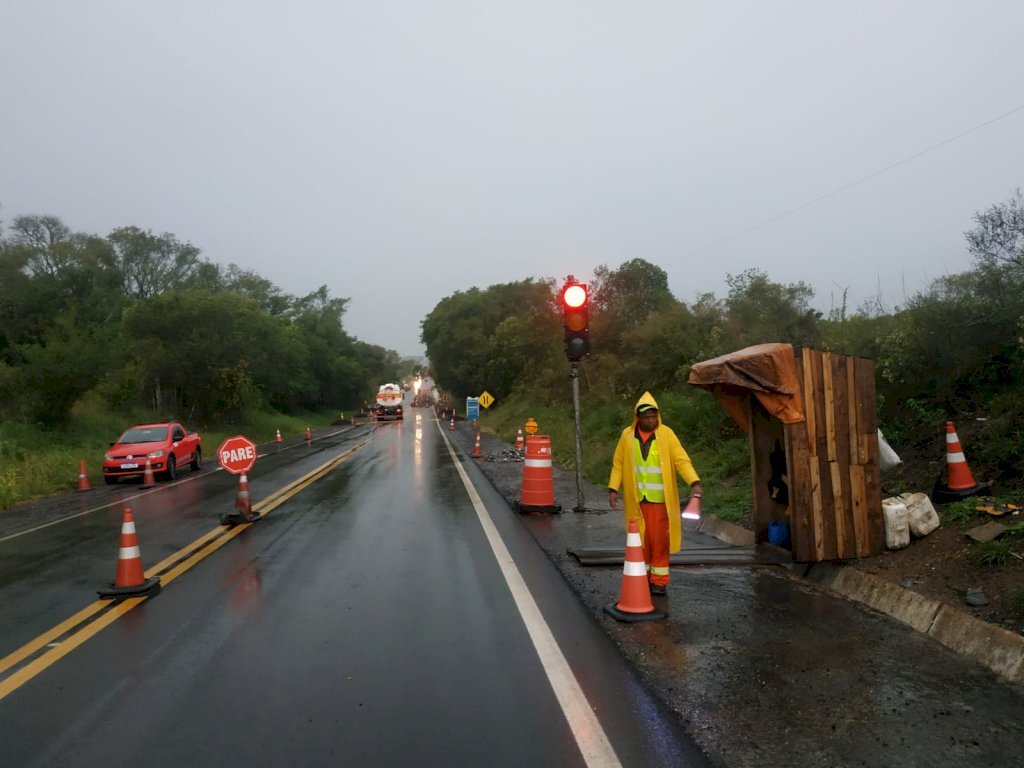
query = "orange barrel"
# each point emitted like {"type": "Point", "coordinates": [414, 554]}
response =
{"type": "Point", "coordinates": [538, 491]}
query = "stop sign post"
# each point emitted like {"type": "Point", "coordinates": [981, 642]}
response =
{"type": "Point", "coordinates": [237, 455]}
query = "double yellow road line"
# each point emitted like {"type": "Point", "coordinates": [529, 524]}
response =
{"type": "Point", "coordinates": [75, 630]}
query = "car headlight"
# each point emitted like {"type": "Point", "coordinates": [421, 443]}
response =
{"type": "Point", "coordinates": [155, 454]}
{"type": "Point", "coordinates": [107, 457]}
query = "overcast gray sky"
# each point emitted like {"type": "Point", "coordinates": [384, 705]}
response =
{"type": "Point", "coordinates": [399, 151]}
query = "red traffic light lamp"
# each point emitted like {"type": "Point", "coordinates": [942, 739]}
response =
{"type": "Point", "coordinates": [575, 300]}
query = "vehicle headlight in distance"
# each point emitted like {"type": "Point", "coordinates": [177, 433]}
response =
{"type": "Point", "coordinates": [107, 457]}
{"type": "Point", "coordinates": [155, 454]}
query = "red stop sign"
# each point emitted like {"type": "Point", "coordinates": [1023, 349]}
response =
{"type": "Point", "coordinates": [237, 454]}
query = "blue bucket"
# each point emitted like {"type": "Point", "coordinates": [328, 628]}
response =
{"type": "Point", "coordinates": [778, 534]}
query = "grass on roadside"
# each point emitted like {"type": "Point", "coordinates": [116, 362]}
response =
{"type": "Point", "coordinates": [35, 463]}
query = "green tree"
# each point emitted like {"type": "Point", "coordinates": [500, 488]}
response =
{"type": "Point", "coordinates": [623, 299]}
{"type": "Point", "coordinates": [458, 332]}
{"type": "Point", "coordinates": [152, 264]}
{"type": "Point", "coordinates": [208, 355]}
{"type": "Point", "coordinates": [999, 236]}
{"type": "Point", "coordinates": [760, 311]}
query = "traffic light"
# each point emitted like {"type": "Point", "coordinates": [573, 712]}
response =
{"type": "Point", "coordinates": [574, 313]}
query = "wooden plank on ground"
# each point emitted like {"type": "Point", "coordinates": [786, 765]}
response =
{"type": "Point", "coordinates": [595, 556]}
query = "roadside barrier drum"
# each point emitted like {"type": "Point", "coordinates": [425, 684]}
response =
{"type": "Point", "coordinates": [538, 489]}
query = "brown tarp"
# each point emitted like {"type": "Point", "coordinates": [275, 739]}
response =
{"type": "Point", "coordinates": [766, 371]}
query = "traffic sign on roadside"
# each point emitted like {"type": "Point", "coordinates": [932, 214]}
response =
{"type": "Point", "coordinates": [237, 454]}
{"type": "Point", "coordinates": [486, 399]}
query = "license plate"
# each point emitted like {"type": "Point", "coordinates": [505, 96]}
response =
{"type": "Point", "coordinates": [128, 465]}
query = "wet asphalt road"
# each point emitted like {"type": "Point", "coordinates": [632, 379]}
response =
{"type": "Point", "coordinates": [765, 669]}
{"type": "Point", "coordinates": [363, 621]}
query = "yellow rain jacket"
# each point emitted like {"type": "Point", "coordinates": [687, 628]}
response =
{"type": "Point", "coordinates": [673, 459]}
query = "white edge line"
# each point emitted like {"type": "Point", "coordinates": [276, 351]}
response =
{"type": "Point", "coordinates": [590, 737]}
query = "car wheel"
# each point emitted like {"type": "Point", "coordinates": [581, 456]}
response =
{"type": "Point", "coordinates": [197, 460]}
{"type": "Point", "coordinates": [172, 470]}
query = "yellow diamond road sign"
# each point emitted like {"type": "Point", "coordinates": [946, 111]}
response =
{"type": "Point", "coordinates": [486, 399]}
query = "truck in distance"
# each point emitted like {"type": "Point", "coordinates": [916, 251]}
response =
{"type": "Point", "coordinates": [389, 403]}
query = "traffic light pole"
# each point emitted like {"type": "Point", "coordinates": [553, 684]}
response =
{"type": "Point", "coordinates": [574, 375]}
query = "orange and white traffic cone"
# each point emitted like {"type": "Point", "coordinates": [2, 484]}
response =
{"type": "Point", "coordinates": [278, 438]}
{"type": "Point", "coordinates": [476, 447]}
{"type": "Point", "coordinates": [960, 483]}
{"type": "Point", "coordinates": [243, 505]}
{"type": "Point", "coordinates": [147, 477]}
{"type": "Point", "coordinates": [309, 434]}
{"type": "Point", "coordinates": [451, 424]}
{"type": "Point", "coordinates": [692, 510]}
{"type": "Point", "coordinates": [130, 580]}
{"type": "Point", "coordinates": [83, 478]}
{"type": "Point", "coordinates": [635, 599]}
{"type": "Point", "coordinates": [520, 444]}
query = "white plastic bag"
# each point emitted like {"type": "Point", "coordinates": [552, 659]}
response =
{"type": "Point", "coordinates": [887, 458]}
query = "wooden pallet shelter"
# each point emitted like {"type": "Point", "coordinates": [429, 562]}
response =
{"type": "Point", "coordinates": [812, 428]}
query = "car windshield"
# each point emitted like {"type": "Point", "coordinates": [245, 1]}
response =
{"type": "Point", "coordinates": [144, 435]}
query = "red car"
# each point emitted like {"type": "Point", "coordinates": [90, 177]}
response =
{"type": "Point", "coordinates": [166, 446]}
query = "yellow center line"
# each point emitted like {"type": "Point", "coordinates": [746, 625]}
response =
{"type": "Point", "coordinates": [65, 626]}
{"type": "Point", "coordinates": [199, 549]}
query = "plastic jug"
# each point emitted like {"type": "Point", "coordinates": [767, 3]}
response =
{"type": "Point", "coordinates": [897, 526]}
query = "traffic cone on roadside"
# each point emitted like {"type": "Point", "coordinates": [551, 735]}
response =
{"type": "Point", "coordinates": [309, 434]}
{"type": "Point", "coordinates": [960, 482]}
{"type": "Point", "coordinates": [451, 424]}
{"type": "Point", "coordinates": [635, 599]}
{"type": "Point", "coordinates": [83, 478]}
{"type": "Point", "coordinates": [278, 438]}
{"type": "Point", "coordinates": [520, 443]}
{"type": "Point", "coordinates": [147, 477]}
{"type": "Point", "coordinates": [692, 510]}
{"type": "Point", "coordinates": [243, 505]}
{"type": "Point", "coordinates": [130, 580]}
{"type": "Point", "coordinates": [476, 447]}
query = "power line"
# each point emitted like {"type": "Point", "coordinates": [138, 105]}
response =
{"type": "Point", "coordinates": [861, 180]}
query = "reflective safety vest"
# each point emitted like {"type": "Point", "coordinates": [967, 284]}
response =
{"type": "Point", "coordinates": [649, 483]}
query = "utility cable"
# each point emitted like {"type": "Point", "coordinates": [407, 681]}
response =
{"type": "Point", "coordinates": [861, 180]}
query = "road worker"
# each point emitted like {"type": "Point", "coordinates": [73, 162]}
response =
{"type": "Point", "coordinates": [647, 458]}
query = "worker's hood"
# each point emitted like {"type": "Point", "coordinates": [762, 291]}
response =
{"type": "Point", "coordinates": [645, 399]}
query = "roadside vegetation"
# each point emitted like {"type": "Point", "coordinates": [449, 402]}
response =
{"type": "Point", "coordinates": [98, 333]}
{"type": "Point", "coordinates": [954, 351]}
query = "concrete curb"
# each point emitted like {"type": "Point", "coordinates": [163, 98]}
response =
{"type": "Point", "coordinates": [725, 531]}
{"type": "Point", "coordinates": [998, 649]}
